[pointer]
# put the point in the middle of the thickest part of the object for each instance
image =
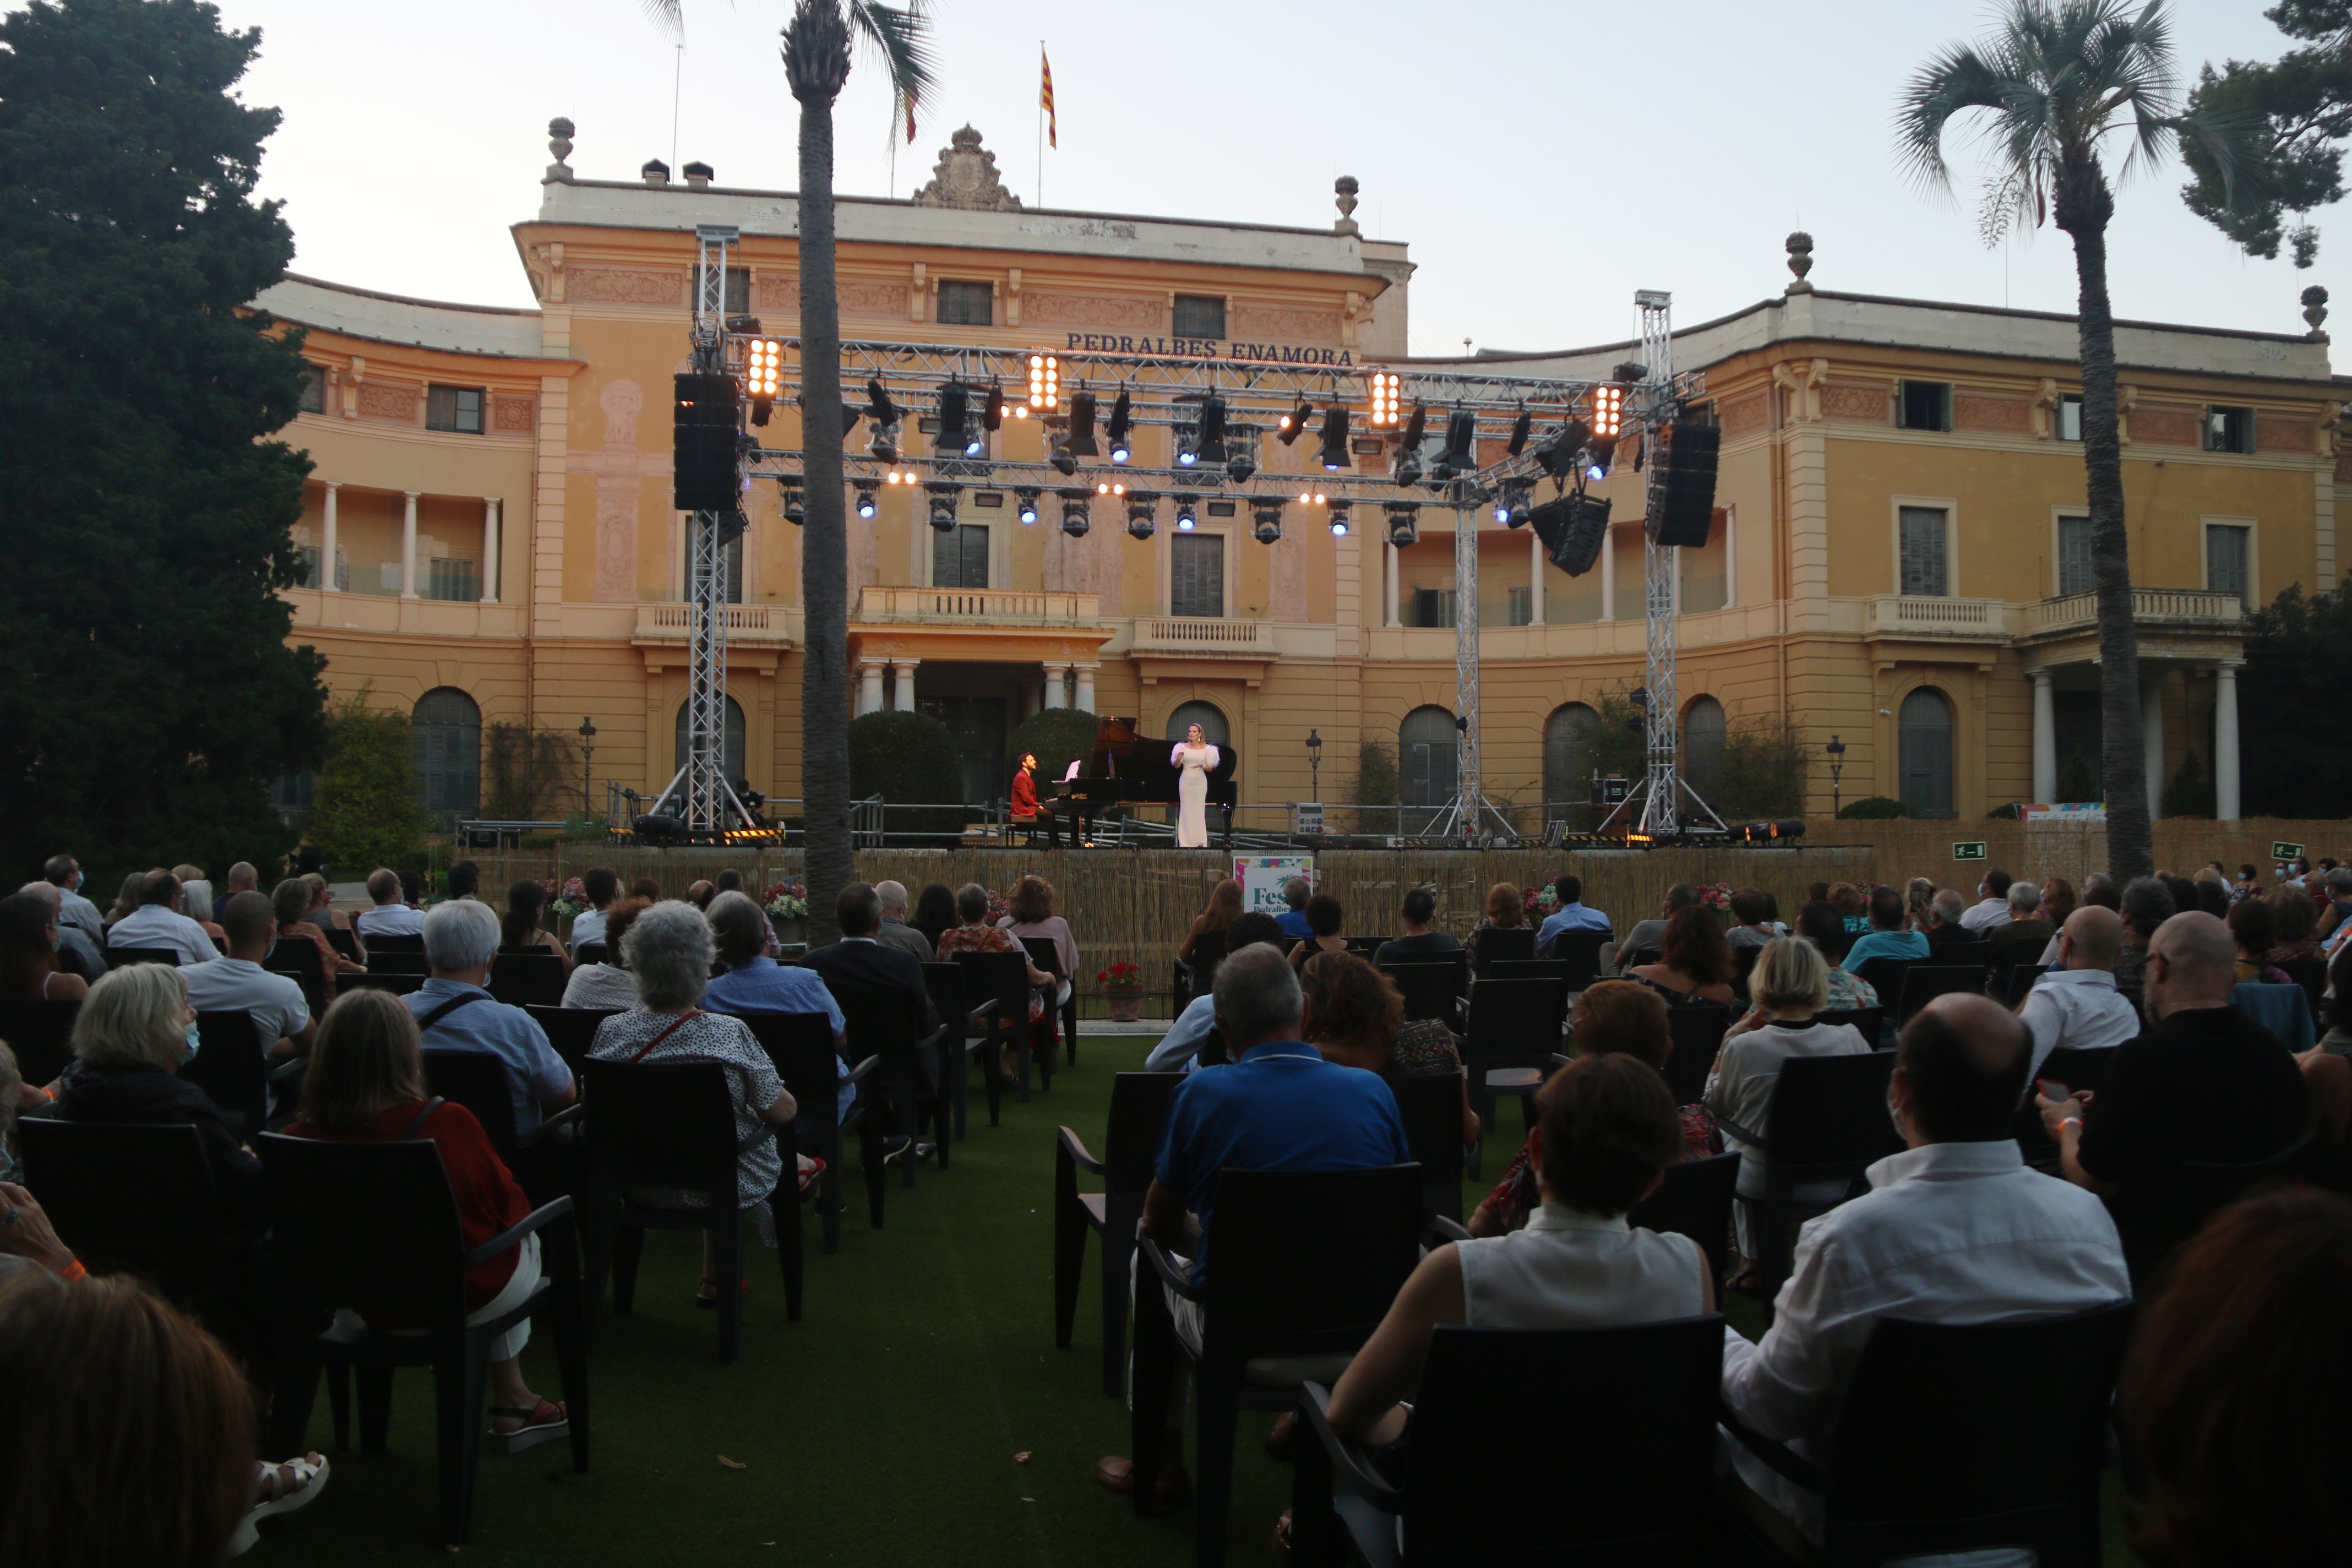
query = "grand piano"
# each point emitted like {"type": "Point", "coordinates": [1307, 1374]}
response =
{"type": "Point", "coordinates": [1125, 768]}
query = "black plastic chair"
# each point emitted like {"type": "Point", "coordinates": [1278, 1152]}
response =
{"type": "Point", "coordinates": [589, 953]}
{"type": "Point", "coordinates": [2175, 1204]}
{"type": "Point", "coordinates": [1961, 1437]}
{"type": "Point", "coordinates": [1363, 946]}
{"type": "Point", "coordinates": [131, 1198]}
{"type": "Point", "coordinates": [902, 1092]}
{"type": "Point", "coordinates": [1697, 1035]}
{"type": "Point", "coordinates": [672, 1124]}
{"type": "Point", "coordinates": [1513, 1033]}
{"type": "Point", "coordinates": [570, 1030]}
{"type": "Point", "coordinates": [398, 985]}
{"type": "Point", "coordinates": [2020, 982]}
{"type": "Point", "coordinates": [1139, 1105]}
{"type": "Point", "coordinates": [1694, 1199]}
{"type": "Point", "coordinates": [1885, 975]}
{"type": "Point", "coordinates": [1923, 983]}
{"type": "Point", "coordinates": [800, 1047]}
{"type": "Point", "coordinates": [1047, 957]}
{"type": "Point", "coordinates": [1529, 1447]}
{"type": "Point", "coordinates": [1527, 969]}
{"type": "Point", "coordinates": [1743, 964]}
{"type": "Point", "coordinates": [528, 979]}
{"type": "Point", "coordinates": [1828, 1123]}
{"type": "Point", "coordinates": [373, 1226]}
{"type": "Point", "coordinates": [298, 956]}
{"type": "Point", "coordinates": [1503, 944]}
{"type": "Point", "coordinates": [1430, 1108]}
{"type": "Point", "coordinates": [2077, 1069]}
{"type": "Point", "coordinates": [539, 1159]}
{"type": "Point", "coordinates": [233, 1070]}
{"type": "Point", "coordinates": [403, 941]}
{"type": "Point", "coordinates": [1580, 951]}
{"type": "Point", "coordinates": [960, 1024]}
{"type": "Point", "coordinates": [41, 1033]}
{"type": "Point", "coordinates": [123, 957]}
{"type": "Point", "coordinates": [1978, 952]}
{"type": "Point", "coordinates": [2311, 974]}
{"type": "Point", "coordinates": [1867, 1022]}
{"type": "Point", "coordinates": [1432, 988]}
{"type": "Point", "coordinates": [1189, 978]}
{"type": "Point", "coordinates": [345, 944]}
{"type": "Point", "coordinates": [1000, 981]}
{"type": "Point", "coordinates": [1303, 1263]}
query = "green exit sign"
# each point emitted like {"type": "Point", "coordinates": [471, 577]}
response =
{"type": "Point", "coordinates": [2282, 850]}
{"type": "Point", "coordinates": [1970, 851]}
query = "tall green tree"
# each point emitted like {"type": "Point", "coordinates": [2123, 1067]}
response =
{"type": "Point", "coordinates": [366, 812]}
{"type": "Point", "coordinates": [2057, 83]}
{"type": "Point", "coordinates": [2297, 110]}
{"type": "Point", "coordinates": [147, 692]}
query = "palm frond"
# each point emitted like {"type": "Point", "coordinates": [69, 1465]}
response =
{"type": "Point", "coordinates": [1947, 87]}
{"type": "Point", "coordinates": [668, 16]}
{"type": "Point", "coordinates": [901, 38]}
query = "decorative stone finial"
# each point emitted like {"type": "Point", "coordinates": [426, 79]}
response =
{"type": "Point", "coordinates": [2315, 312]}
{"type": "Point", "coordinates": [559, 142]}
{"type": "Point", "coordinates": [1799, 247]}
{"type": "Point", "coordinates": [966, 177]}
{"type": "Point", "coordinates": [1346, 188]}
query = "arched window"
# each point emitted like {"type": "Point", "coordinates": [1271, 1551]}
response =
{"type": "Point", "coordinates": [1926, 734]}
{"type": "Point", "coordinates": [444, 751]}
{"type": "Point", "coordinates": [731, 753]}
{"type": "Point", "coordinates": [1568, 755]}
{"type": "Point", "coordinates": [1207, 715]}
{"type": "Point", "coordinates": [1428, 758]}
{"type": "Point", "coordinates": [1703, 745]}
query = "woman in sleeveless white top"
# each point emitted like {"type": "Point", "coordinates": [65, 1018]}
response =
{"type": "Point", "coordinates": [1568, 1269]}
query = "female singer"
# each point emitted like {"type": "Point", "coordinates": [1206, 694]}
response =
{"type": "Point", "coordinates": [1196, 757]}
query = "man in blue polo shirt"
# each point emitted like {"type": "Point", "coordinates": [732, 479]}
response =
{"type": "Point", "coordinates": [1571, 914]}
{"type": "Point", "coordinates": [1277, 1106]}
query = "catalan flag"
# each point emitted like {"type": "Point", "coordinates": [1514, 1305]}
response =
{"type": "Point", "coordinates": [908, 100]}
{"type": "Point", "coordinates": [1046, 97]}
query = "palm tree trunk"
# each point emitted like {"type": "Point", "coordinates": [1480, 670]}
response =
{"type": "Point", "coordinates": [825, 542]}
{"type": "Point", "coordinates": [2084, 206]}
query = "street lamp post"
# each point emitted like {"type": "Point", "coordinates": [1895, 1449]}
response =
{"type": "Point", "coordinates": [1315, 764]}
{"type": "Point", "coordinates": [587, 764]}
{"type": "Point", "coordinates": [1837, 767]}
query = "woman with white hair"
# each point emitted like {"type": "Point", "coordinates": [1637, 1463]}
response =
{"type": "Point", "coordinates": [130, 1040]}
{"type": "Point", "coordinates": [668, 949]}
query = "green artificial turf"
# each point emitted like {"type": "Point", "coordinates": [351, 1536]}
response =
{"type": "Point", "coordinates": [883, 1429]}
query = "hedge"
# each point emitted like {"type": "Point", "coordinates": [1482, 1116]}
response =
{"type": "Point", "coordinates": [903, 756]}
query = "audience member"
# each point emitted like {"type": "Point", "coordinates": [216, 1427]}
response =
{"type": "Point", "coordinates": [29, 954]}
{"type": "Point", "coordinates": [1179, 1047]}
{"type": "Point", "coordinates": [2252, 928]}
{"type": "Point", "coordinates": [196, 898]}
{"type": "Point", "coordinates": [157, 922]}
{"type": "Point", "coordinates": [894, 930]}
{"type": "Point", "coordinates": [1324, 918]}
{"type": "Point", "coordinates": [2075, 1004]}
{"type": "Point", "coordinates": [1292, 918]}
{"type": "Point", "coordinates": [465, 880]}
{"type": "Point", "coordinates": [63, 872]}
{"type": "Point", "coordinates": [2183, 892]}
{"type": "Point", "coordinates": [972, 933]}
{"type": "Point", "coordinates": [935, 914]}
{"type": "Point", "coordinates": [1695, 964]}
{"type": "Point", "coordinates": [365, 1084]}
{"type": "Point", "coordinates": [2146, 905]}
{"type": "Point", "coordinates": [1752, 919]}
{"type": "Point", "coordinates": [755, 982]}
{"type": "Point", "coordinates": [1886, 937]}
{"type": "Point", "coordinates": [29, 1244]}
{"type": "Point", "coordinates": [455, 1010]}
{"type": "Point", "coordinates": [669, 952]}
{"type": "Point", "coordinates": [323, 913]}
{"type": "Point", "coordinates": [699, 893]}
{"type": "Point", "coordinates": [1569, 913]}
{"type": "Point", "coordinates": [2100, 889]}
{"type": "Point", "coordinates": [2213, 897]}
{"type": "Point", "coordinates": [126, 897]}
{"type": "Point", "coordinates": [647, 889]}
{"type": "Point", "coordinates": [130, 1041]}
{"type": "Point", "coordinates": [243, 878]}
{"type": "Point", "coordinates": [1992, 906]}
{"type": "Point", "coordinates": [2245, 883]}
{"type": "Point", "coordinates": [2205, 1083]}
{"type": "Point", "coordinates": [1507, 910]}
{"type": "Point", "coordinates": [728, 880]}
{"type": "Point", "coordinates": [237, 981]}
{"type": "Point", "coordinates": [1205, 942]}
{"type": "Point", "coordinates": [520, 930]}
{"type": "Point", "coordinates": [2338, 884]}
{"type": "Point", "coordinates": [1955, 1229]}
{"type": "Point", "coordinates": [860, 958]}
{"type": "Point", "coordinates": [1355, 1016]}
{"type": "Point", "coordinates": [389, 915]}
{"type": "Point", "coordinates": [76, 954]}
{"type": "Point", "coordinates": [1031, 914]}
{"type": "Point", "coordinates": [2059, 901]}
{"type": "Point", "coordinates": [601, 886]}
{"type": "Point", "coordinates": [1420, 939]}
{"type": "Point", "coordinates": [1847, 899]}
{"type": "Point", "coordinates": [1647, 939]}
{"type": "Point", "coordinates": [291, 903]}
{"type": "Point", "coordinates": [1819, 924]}
{"type": "Point", "coordinates": [2027, 932]}
{"type": "Point", "coordinates": [2338, 1008]}
{"type": "Point", "coordinates": [2291, 928]}
{"type": "Point", "coordinates": [1918, 903]}
{"type": "Point", "coordinates": [605, 984]}
{"type": "Point", "coordinates": [1947, 917]}
{"type": "Point", "coordinates": [1279, 1106]}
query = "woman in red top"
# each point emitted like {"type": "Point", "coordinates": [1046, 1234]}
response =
{"type": "Point", "coordinates": [366, 1084]}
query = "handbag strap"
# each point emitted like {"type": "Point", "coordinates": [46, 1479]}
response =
{"type": "Point", "coordinates": [683, 1018]}
{"type": "Point", "coordinates": [418, 1126]}
{"type": "Point", "coordinates": [448, 1007]}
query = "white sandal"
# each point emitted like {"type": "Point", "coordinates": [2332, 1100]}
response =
{"type": "Point", "coordinates": [282, 1489]}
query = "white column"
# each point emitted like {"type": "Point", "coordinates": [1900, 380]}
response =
{"type": "Point", "coordinates": [408, 547]}
{"type": "Point", "coordinates": [1389, 562]}
{"type": "Point", "coordinates": [1730, 557]}
{"type": "Point", "coordinates": [1057, 684]}
{"type": "Point", "coordinates": [1086, 702]}
{"type": "Point", "coordinates": [491, 549]}
{"type": "Point", "coordinates": [2225, 741]}
{"type": "Point", "coordinates": [1535, 579]}
{"type": "Point", "coordinates": [327, 544]}
{"type": "Point", "coordinates": [1608, 575]}
{"type": "Point", "coordinates": [2045, 738]}
{"type": "Point", "coordinates": [869, 686]}
{"type": "Point", "coordinates": [2151, 740]}
{"type": "Point", "coordinates": [902, 692]}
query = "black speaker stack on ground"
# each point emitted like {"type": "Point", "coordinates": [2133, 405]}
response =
{"type": "Point", "coordinates": [1682, 484]}
{"type": "Point", "coordinates": [704, 472]}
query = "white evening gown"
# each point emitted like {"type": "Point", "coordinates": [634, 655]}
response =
{"type": "Point", "coordinates": [1192, 794]}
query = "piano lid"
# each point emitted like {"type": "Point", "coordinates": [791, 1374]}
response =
{"type": "Point", "coordinates": [1121, 752]}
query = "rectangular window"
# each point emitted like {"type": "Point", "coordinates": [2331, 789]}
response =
{"type": "Point", "coordinates": [1196, 575]}
{"type": "Point", "coordinates": [1926, 567]}
{"type": "Point", "coordinates": [959, 557]}
{"type": "Point", "coordinates": [966, 305]}
{"type": "Point", "coordinates": [455, 408]}
{"type": "Point", "coordinates": [451, 578]}
{"type": "Point", "coordinates": [1926, 405]}
{"type": "Point", "coordinates": [2225, 559]}
{"type": "Point", "coordinates": [2074, 555]}
{"type": "Point", "coordinates": [2229, 429]}
{"type": "Point", "coordinates": [2070, 417]}
{"type": "Point", "coordinates": [291, 797]}
{"type": "Point", "coordinates": [1433, 607]}
{"type": "Point", "coordinates": [314, 390]}
{"type": "Point", "coordinates": [1199, 316]}
{"type": "Point", "coordinates": [1519, 606]}
{"type": "Point", "coordinates": [737, 301]}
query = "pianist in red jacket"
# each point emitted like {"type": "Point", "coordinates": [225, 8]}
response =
{"type": "Point", "coordinates": [1024, 791]}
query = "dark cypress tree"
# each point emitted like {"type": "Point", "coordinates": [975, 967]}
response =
{"type": "Point", "coordinates": [147, 692]}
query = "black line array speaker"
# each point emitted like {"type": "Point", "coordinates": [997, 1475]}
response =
{"type": "Point", "coordinates": [1573, 528]}
{"type": "Point", "coordinates": [1682, 483]}
{"type": "Point", "coordinates": [704, 444]}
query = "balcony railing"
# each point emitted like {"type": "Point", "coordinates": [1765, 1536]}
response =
{"type": "Point", "coordinates": [1914, 616]}
{"type": "Point", "coordinates": [1217, 636]}
{"type": "Point", "coordinates": [767, 624]}
{"type": "Point", "coordinates": [2183, 607]}
{"type": "Point", "coordinates": [976, 606]}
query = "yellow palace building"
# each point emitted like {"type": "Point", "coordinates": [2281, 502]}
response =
{"type": "Point", "coordinates": [1900, 558]}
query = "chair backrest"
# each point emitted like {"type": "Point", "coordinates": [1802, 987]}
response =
{"type": "Point", "coordinates": [1503, 942]}
{"type": "Point", "coordinates": [570, 1030]}
{"type": "Point", "coordinates": [382, 960]}
{"type": "Point", "coordinates": [1743, 964]}
{"type": "Point", "coordinates": [1363, 946]}
{"type": "Point", "coordinates": [1138, 1109]}
{"type": "Point", "coordinates": [1829, 1116]}
{"type": "Point", "coordinates": [1538, 1445]}
{"type": "Point", "coordinates": [590, 952]}
{"type": "Point", "coordinates": [1923, 983]}
{"type": "Point", "coordinates": [1977, 952]}
{"type": "Point", "coordinates": [2283, 1010]}
{"type": "Point", "coordinates": [1431, 987]}
{"type": "Point", "coordinates": [800, 1047]}
{"type": "Point", "coordinates": [1957, 1437]}
{"type": "Point", "coordinates": [371, 1226]}
{"type": "Point", "coordinates": [666, 1123]}
{"type": "Point", "coordinates": [477, 1080]}
{"type": "Point", "coordinates": [1694, 1200]}
{"type": "Point", "coordinates": [1514, 1023]}
{"type": "Point", "coordinates": [229, 1066]}
{"type": "Point", "coordinates": [1581, 951]}
{"type": "Point", "coordinates": [129, 1196]}
{"type": "Point", "coordinates": [1885, 975]}
{"type": "Point", "coordinates": [1527, 969]}
{"type": "Point", "coordinates": [2020, 982]}
{"type": "Point", "coordinates": [1697, 1035]}
{"type": "Point", "coordinates": [998, 977]}
{"type": "Point", "coordinates": [1043, 955]}
{"type": "Point", "coordinates": [123, 957]}
{"type": "Point", "coordinates": [886, 1021]}
{"type": "Point", "coordinates": [41, 1033]}
{"type": "Point", "coordinates": [403, 942]}
{"type": "Point", "coordinates": [398, 985]}
{"type": "Point", "coordinates": [527, 979]}
{"type": "Point", "coordinates": [1430, 1108]}
{"type": "Point", "coordinates": [340, 938]}
{"type": "Point", "coordinates": [2311, 974]}
{"type": "Point", "coordinates": [298, 955]}
{"type": "Point", "coordinates": [1308, 1261]}
{"type": "Point", "coordinates": [1867, 1021]}
{"type": "Point", "coordinates": [945, 982]}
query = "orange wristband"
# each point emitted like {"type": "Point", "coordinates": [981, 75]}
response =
{"type": "Point", "coordinates": [73, 1271]}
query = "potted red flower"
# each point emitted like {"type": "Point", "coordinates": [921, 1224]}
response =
{"type": "Point", "coordinates": [1122, 984]}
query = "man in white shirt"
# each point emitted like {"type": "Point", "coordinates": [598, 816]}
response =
{"type": "Point", "coordinates": [157, 922]}
{"type": "Point", "coordinates": [281, 1018]}
{"type": "Point", "coordinates": [1955, 1229]}
{"type": "Point", "coordinates": [2076, 1005]}
{"type": "Point", "coordinates": [391, 916]}
{"type": "Point", "coordinates": [63, 872]}
{"type": "Point", "coordinates": [601, 887]}
{"type": "Point", "coordinates": [1991, 908]}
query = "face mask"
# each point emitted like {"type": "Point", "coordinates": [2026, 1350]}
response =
{"type": "Point", "coordinates": [57, 939]}
{"type": "Point", "coordinates": [1895, 1116]}
{"type": "Point", "coordinates": [192, 1042]}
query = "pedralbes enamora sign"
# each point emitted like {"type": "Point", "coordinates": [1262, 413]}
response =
{"type": "Point", "coordinates": [1207, 348]}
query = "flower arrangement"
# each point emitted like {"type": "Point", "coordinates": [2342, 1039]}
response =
{"type": "Point", "coordinates": [1714, 895]}
{"type": "Point", "coordinates": [1121, 976]}
{"type": "Point", "coordinates": [998, 909]}
{"type": "Point", "coordinates": [570, 900]}
{"type": "Point", "coordinates": [787, 900]}
{"type": "Point", "coordinates": [1539, 899]}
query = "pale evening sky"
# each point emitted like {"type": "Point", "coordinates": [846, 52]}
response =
{"type": "Point", "coordinates": [1543, 159]}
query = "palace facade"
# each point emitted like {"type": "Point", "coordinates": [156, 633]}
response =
{"type": "Point", "coordinates": [1901, 559]}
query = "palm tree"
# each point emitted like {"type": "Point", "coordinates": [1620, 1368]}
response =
{"type": "Point", "coordinates": [2056, 80]}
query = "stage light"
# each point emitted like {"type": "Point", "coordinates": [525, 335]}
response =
{"type": "Point", "coordinates": [944, 494]}
{"type": "Point", "coordinates": [1339, 519]}
{"type": "Point", "coordinates": [866, 498]}
{"type": "Point", "coordinates": [795, 508]}
{"type": "Point", "coordinates": [1405, 521]}
{"type": "Point", "coordinates": [1335, 438]}
{"type": "Point", "coordinates": [762, 374]}
{"type": "Point", "coordinates": [1025, 500]}
{"type": "Point", "coordinates": [1187, 518]}
{"type": "Point", "coordinates": [1557, 455]}
{"type": "Point", "coordinates": [1266, 517]}
{"type": "Point", "coordinates": [1310, 497]}
{"type": "Point", "coordinates": [1064, 463]}
{"type": "Point", "coordinates": [992, 409]}
{"type": "Point", "coordinates": [1519, 429]}
{"type": "Point", "coordinates": [1110, 488]}
{"type": "Point", "coordinates": [1596, 473]}
{"type": "Point", "coordinates": [1608, 411]}
{"type": "Point", "coordinates": [1213, 429]}
{"type": "Point", "coordinates": [1511, 503]}
{"type": "Point", "coordinates": [1080, 441]}
{"type": "Point", "coordinates": [1045, 383]}
{"type": "Point", "coordinates": [955, 418]}
{"type": "Point", "coordinates": [1460, 454]}
{"type": "Point", "coordinates": [1077, 517]}
{"type": "Point", "coordinates": [885, 445]}
{"type": "Point", "coordinates": [1188, 445]}
{"type": "Point", "coordinates": [1121, 448]}
{"type": "Point", "coordinates": [1140, 506]}
{"type": "Point", "coordinates": [1241, 453]}
{"type": "Point", "coordinates": [1384, 399]}
{"type": "Point", "coordinates": [1286, 429]}
{"type": "Point", "coordinates": [884, 416]}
